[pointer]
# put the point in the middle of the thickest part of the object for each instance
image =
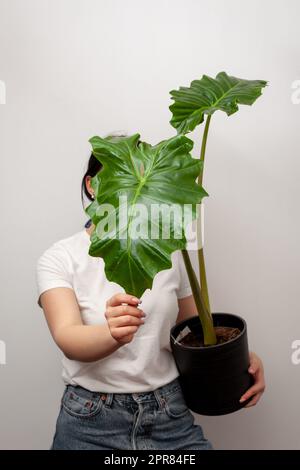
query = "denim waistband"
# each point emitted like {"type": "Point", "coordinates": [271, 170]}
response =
{"type": "Point", "coordinates": [157, 395]}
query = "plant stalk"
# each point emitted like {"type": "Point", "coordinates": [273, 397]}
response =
{"type": "Point", "coordinates": [201, 261]}
{"type": "Point", "coordinates": [205, 317]}
{"type": "Point", "coordinates": [203, 279]}
{"type": "Point", "coordinates": [203, 148]}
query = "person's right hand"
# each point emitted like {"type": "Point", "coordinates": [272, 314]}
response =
{"type": "Point", "coordinates": [123, 320]}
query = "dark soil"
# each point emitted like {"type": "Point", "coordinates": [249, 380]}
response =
{"type": "Point", "coordinates": [223, 333]}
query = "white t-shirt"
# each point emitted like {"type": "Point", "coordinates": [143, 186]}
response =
{"type": "Point", "coordinates": [145, 363]}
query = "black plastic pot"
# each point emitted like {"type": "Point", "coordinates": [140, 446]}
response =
{"type": "Point", "coordinates": [213, 378]}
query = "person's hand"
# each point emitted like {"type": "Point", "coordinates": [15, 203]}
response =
{"type": "Point", "coordinates": [123, 317]}
{"type": "Point", "coordinates": [256, 368]}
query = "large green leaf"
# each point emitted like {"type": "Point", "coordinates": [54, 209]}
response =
{"type": "Point", "coordinates": [145, 175]}
{"type": "Point", "coordinates": [208, 95]}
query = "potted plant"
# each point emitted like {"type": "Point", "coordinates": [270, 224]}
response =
{"type": "Point", "coordinates": [213, 357]}
{"type": "Point", "coordinates": [131, 238]}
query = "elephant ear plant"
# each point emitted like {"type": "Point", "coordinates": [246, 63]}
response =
{"type": "Point", "coordinates": [144, 198]}
{"type": "Point", "coordinates": [190, 108]}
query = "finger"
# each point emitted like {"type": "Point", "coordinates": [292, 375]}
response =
{"type": "Point", "coordinates": [254, 400]}
{"type": "Point", "coordinates": [254, 363]}
{"type": "Point", "coordinates": [119, 299]}
{"type": "Point", "coordinates": [256, 388]}
{"type": "Point", "coordinates": [123, 310]}
{"type": "Point", "coordinates": [260, 374]}
{"type": "Point", "coordinates": [120, 333]}
{"type": "Point", "coordinates": [125, 320]}
{"type": "Point", "coordinates": [259, 379]}
{"type": "Point", "coordinates": [254, 367]}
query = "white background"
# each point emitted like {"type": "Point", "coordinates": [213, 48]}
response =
{"type": "Point", "coordinates": [76, 68]}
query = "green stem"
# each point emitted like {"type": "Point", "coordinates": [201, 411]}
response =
{"type": "Point", "coordinates": [203, 279]}
{"type": "Point", "coordinates": [203, 148]}
{"type": "Point", "coordinates": [202, 270]}
{"type": "Point", "coordinates": [209, 334]}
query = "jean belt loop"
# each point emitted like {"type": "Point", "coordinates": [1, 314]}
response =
{"type": "Point", "coordinates": [107, 398]}
{"type": "Point", "coordinates": [159, 398]}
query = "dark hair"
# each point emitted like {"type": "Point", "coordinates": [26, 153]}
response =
{"type": "Point", "coordinates": [93, 167]}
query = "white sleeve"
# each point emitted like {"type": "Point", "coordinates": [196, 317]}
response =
{"type": "Point", "coordinates": [53, 269]}
{"type": "Point", "coordinates": [184, 288]}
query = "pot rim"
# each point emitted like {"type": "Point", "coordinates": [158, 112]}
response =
{"type": "Point", "coordinates": [212, 346]}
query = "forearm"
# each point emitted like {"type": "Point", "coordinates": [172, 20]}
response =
{"type": "Point", "coordinates": [86, 343]}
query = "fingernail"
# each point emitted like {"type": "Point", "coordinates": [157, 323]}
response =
{"type": "Point", "coordinates": [242, 399]}
{"type": "Point", "coordinates": [143, 320]}
{"type": "Point", "coordinates": [135, 299]}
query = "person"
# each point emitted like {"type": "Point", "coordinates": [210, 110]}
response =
{"type": "Point", "coordinates": [121, 381]}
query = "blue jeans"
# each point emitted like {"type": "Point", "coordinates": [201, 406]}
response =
{"type": "Point", "coordinates": [157, 420]}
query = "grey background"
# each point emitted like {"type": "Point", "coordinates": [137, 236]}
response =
{"type": "Point", "coordinates": [75, 68]}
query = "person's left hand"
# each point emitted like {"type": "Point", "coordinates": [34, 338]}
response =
{"type": "Point", "coordinates": [256, 368]}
